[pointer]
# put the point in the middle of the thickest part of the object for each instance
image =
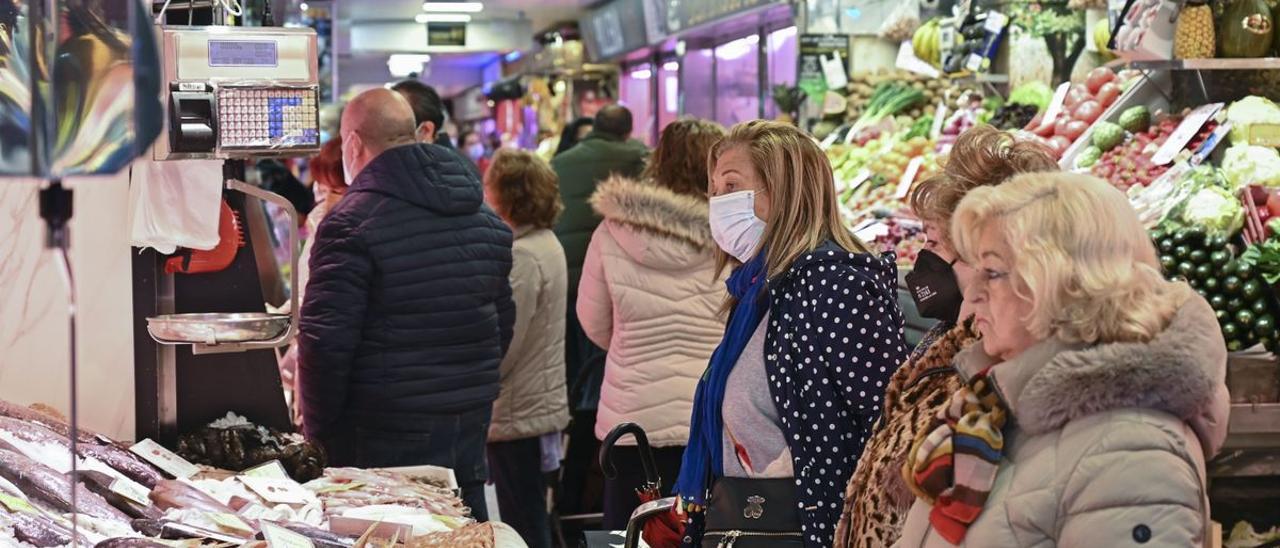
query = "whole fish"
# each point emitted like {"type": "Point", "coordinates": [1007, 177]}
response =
{"type": "Point", "coordinates": [101, 484]}
{"type": "Point", "coordinates": [8, 409]}
{"type": "Point", "coordinates": [44, 484]}
{"type": "Point", "coordinates": [319, 537]}
{"type": "Point", "coordinates": [41, 531]}
{"type": "Point", "coordinates": [175, 494]}
{"type": "Point", "coordinates": [129, 543]}
{"type": "Point", "coordinates": [118, 459]}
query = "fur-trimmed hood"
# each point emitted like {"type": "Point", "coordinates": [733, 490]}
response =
{"type": "Point", "coordinates": [1182, 371]}
{"type": "Point", "coordinates": [647, 219]}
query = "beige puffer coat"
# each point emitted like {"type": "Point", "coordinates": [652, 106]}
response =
{"type": "Point", "coordinates": [532, 400]}
{"type": "Point", "coordinates": [1108, 443]}
{"type": "Point", "coordinates": [649, 295]}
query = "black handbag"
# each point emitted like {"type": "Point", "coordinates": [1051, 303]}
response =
{"type": "Point", "coordinates": [752, 513]}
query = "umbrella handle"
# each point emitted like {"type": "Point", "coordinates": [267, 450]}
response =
{"type": "Point", "coordinates": [642, 442]}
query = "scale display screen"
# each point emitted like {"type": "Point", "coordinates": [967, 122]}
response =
{"type": "Point", "coordinates": [243, 53]}
{"type": "Point", "coordinates": [268, 118]}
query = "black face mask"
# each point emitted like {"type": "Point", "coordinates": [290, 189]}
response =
{"type": "Point", "coordinates": [934, 288]}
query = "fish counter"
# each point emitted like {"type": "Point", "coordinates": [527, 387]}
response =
{"type": "Point", "coordinates": [232, 483]}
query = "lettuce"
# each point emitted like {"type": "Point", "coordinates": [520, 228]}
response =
{"type": "Point", "coordinates": [1251, 165]}
{"type": "Point", "coordinates": [1250, 110]}
{"type": "Point", "coordinates": [1036, 93]}
{"type": "Point", "coordinates": [1215, 209]}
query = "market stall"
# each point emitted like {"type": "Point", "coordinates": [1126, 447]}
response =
{"type": "Point", "coordinates": [1182, 120]}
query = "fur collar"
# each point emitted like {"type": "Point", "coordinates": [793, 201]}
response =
{"type": "Point", "coordinates": [1177, 372]}
{"type": "Point", "coordinates": [654, 209]}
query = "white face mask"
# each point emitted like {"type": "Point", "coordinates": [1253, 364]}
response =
{"type": "Point", "coordinates": [734, 224]}
{"type": "Point", "coordinates": [348, 174]}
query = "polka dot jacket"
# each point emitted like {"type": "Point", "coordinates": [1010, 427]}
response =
{"type": "Point", "coordinates": [834, 340]}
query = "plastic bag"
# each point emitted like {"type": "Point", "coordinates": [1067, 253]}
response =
{"type": "Point", "coordinates": [902, 22]}
{"type": "Point", "coordinates": [174, 204]}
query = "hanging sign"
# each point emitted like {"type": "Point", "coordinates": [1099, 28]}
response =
{"type": "Point", "coordinates": [814, 49]}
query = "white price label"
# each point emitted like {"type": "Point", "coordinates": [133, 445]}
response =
{"type": "Point", "coordinates": [908, 61]}
{"type": "Point", "coordinates": [1216, 138]}
{"type": "Point", "coordinates": [939, 119]}
{"type": "Point", "coordinates": [1186, 131]}
{"type": "Point", "coordinates": [908, 177]}
{"type": "Point", "coordinates": [271, 470]}
{"type": "Point", "coordinates": [164, 459]}
{"type": "Point", "coordinates": [1055, 106]}
{"type": "Point", "coordinates": [863, 176]}
{"type": "Point", "coordinates": [279, 537]}
{"type": "Point", "coordinates": [277, 491]}
{"type": "Point", "coordinates": [132, 490]}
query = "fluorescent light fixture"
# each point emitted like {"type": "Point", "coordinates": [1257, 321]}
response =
{"type": "Point", "coordinates": [425, 18]}
{"type": "Point", "coordinates": [737, 48]}
{"type": "Point", "coordinates": [680, 47]}
{"type": "Point", "coordinates": [453, 7]}
{"type": "Point", "coordinates": [671, 66]}
{"type": "Point", "coordinates": [403, 64]}
{"type": "Point", "coordinates": [642, 74]}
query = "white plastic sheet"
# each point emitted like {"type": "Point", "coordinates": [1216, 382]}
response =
{"type": "Point", "coordinates": [175, 204]}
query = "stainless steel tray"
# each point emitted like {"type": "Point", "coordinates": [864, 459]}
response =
{"type": "Point", "coordinates": [214, 329]}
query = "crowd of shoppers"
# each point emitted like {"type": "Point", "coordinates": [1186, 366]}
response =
{"type": "Point", "coordinates": [711, 293]}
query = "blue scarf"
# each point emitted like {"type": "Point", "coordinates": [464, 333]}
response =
{"type": "Point", "coordinates": [703, 457]}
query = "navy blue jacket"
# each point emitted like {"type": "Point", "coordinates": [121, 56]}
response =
{"type": "Point", "coordinates": [408, 312]}
{"type": "Point", "coordinates": [834, 339]}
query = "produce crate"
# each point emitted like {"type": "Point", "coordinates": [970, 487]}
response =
{"type": "Point", "coordinates": [1152, 91]}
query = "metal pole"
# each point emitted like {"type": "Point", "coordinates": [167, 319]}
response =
{"type": "Point", "coordinates": [762, 70]}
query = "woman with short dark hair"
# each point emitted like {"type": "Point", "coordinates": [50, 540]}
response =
{"type": "Point", "coordinates": [532, 407]}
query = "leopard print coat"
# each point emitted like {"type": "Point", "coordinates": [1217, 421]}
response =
{"type": "Point", "coordinates": [876, 499]}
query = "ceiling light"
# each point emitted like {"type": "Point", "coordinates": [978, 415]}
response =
{"type": "Point", "coordinates": [453, 7]}
{"type": "Point", "coordinates": [304, 7]}
{"type": "Point", "coordinates": [442, 18]}
{"type": "Point", "coordinates": [671, 66]}
{"type": "Point", "coordinates": [642, 74]}
{"type": "Point", "coordinates": [403, 64]}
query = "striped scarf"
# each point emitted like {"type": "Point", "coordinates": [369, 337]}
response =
{"type": "Point", "coordinates": [953, 463]}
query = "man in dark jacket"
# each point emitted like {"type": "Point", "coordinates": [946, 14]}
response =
{"type": "Point", "coordinates": [607, 150]}
{"type": "Point", "coordinates": [408, 312]}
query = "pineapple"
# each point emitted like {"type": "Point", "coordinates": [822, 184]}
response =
{"type": "Point", "coordinates": [1193, 38]}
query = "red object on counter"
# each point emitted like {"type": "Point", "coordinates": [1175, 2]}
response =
{"type": "Point", "coordinates": [230, 240]}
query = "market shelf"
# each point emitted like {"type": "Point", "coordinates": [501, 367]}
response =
{"type": "Point", "coordinates": [1261, 63]}
{"type": "Point", "coordinates": [1253, 425]}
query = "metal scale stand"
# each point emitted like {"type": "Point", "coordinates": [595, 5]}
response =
{"type": "Point", "coordinates": [202, 346]}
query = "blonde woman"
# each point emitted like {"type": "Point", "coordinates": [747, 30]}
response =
{"type": "Point", "coordinates": [814, 333]}
{"type": "Point", "coordinates": [1096, 394]}
{"type": "Point", "coordinates": [533, 406]}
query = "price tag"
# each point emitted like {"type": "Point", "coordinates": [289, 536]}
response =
{"type": "Point", "coordinates": [1185, 132]}
{"type": "Point", "coordinates": [1264, 135]}
{"type": "Point", "coordinates": [974, 63]}
{"type": "Point", "coordinates": [908, 61]}
{"type": "Point", "coordinates": [164, 459]}
{"type": "Point", "coordinates": [15, 504]}
{"type": "Point", "coordinates": [1055, 106]}
{"type": "Point", "coordinates": [863, 176]}
{"type": "Point", "coordinates": [279, 537]}
{"type": "Point", "coordinates": [870, 232]}
{"type": "Point", "coordinates": [132, 490]}
{"type": "Point", "coordinates": [939, 119]}
{"type": "Point", "coordinates": [908, 177]}
{"type": "Point", "coordinates": [1209, 145]}
{"type": "Point", "coordinates": [229, 522]}
{"type": "Point", "coordinates": [995, 22]}
{"type": "Point", "coordinates": [270, 470]}
{"type": "Point", "coordinates": [277, 491]}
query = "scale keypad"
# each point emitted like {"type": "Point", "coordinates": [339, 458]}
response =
{"type": "Point", "coordinates": [266, 118]}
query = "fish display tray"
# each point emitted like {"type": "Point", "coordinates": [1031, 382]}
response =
{"type": "Point", "coordinates": [212, 329]}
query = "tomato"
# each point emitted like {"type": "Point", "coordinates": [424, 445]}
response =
{"type": "Point", "coordinates": [1097, 78]}
{"type": "Point", "coordinates": [1108, 94]}
{"type": "Point", "coordinates": [1077, 94]}
{"type": "Point", "coordinates": [1087, 111]}
{"type": "Point", "coordinates": [1273, 203]}
{"type": "Point", "coordinates": [1072, 129]}
{"type": "Point", "coordinates": [1046, 130]}
{"type": "Point", "coordinates": [1059, 144]}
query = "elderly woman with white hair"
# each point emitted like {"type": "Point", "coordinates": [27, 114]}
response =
{"type": "Point", "coordinates": [1096, 394]}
